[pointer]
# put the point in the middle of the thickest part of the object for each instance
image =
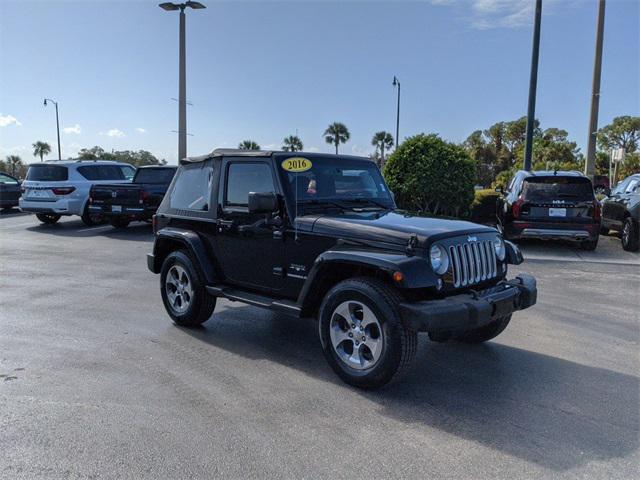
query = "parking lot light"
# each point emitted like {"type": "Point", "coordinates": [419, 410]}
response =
{"type": "Point", "coordinates": [182, 87]}
{"type": "Point", "coordinates": [57, 124]}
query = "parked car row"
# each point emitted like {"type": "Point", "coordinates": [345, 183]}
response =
{"type": "Point", "coordinates": [9, 191]}
{"type": "Point", "coordinates": [562, 205]}
{"type": "Point", "coordinates": [95, 190]}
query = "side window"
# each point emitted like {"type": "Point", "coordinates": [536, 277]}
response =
{"type": "Point", "coordinates": [243, 178]}
{"type": "Point", "coordinates": [192, 188]}
{"type": "Point", "coordinates": [633, 186]}
{"type": "Point", "coordinates": [128, 171]}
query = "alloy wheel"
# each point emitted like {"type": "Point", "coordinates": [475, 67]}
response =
{"type": "Point", "coordinates": [179, 289]}
{"type": "Point", "coordinates": [356, 335]}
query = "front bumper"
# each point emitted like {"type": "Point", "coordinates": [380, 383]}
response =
{"type": "Point", "coordinates": [471, 310]}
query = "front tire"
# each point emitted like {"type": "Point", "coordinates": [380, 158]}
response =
{"type": "Point", "coordinates": [630, 235]}
{"type": "Point", "coordinates": [48, 218]}
{"type": "Point", "coordinates": [183, 292]}
{"type": "Point", "coordinates": [362, 334]}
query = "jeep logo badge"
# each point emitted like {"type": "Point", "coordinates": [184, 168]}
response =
{"type": "Point", "coordinates": [472, 239]}
{"type": "Point", "coordinates": [114, 194]}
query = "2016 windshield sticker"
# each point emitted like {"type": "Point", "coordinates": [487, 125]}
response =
{"type": "Point", "coordinates": [296, 164]}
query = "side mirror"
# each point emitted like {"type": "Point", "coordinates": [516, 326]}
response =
{"type": "Point", "coordinates": [499, 189]}
{"type": "Point", "coordinates": [263, 202]}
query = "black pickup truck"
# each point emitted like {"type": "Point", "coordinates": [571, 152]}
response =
{"type": "Point", "coordinates": [138, 200]}
{"type": "Point", "coordinates": [319, 236]}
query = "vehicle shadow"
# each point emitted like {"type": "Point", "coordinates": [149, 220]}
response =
{"type": "Point", "coordinates": [12, 212]}
{"type": "Point", "coordinates": [542, 409]}
{"type": "Point", "coordinates": [136, 231]}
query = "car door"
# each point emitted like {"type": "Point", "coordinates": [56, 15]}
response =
{"type": "Point", "coordinates": [613, 207]}
{"type": "Point", "coordinates": [250, 255]}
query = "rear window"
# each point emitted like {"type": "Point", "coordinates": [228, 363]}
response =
{"type": "Point", "coordinates": [537, 189]}
{"type": "Point", "coordinates": [192, 189]}
{"type": "Point", "coordinates": [106, 172]}
{"type": "Point", "coordinates": [48, 173]}
{"type": "Point", "coordinates": [154, 175]}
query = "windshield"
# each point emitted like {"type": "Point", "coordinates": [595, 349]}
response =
{"type": "Point", "coordinates": [154, 175]}
{"type": "Point", "coordinates": [540, 189]}
{"type": "Point", "coordinates": [338, 181]}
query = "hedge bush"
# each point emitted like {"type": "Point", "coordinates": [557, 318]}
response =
{"type": "Point", "coordinates": [431, 176]}
{"type": "Point", "coordinates": [483, 208]}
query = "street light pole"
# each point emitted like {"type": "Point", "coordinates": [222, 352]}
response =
{"type": "Point", "coordinates": [182, 75]}
{"type": "Point", "coordinates": [590, 164]}
{"type": "Point", "coordinates": [396, 83]}
{"type": "Point", "coordinates": [533, 83]}
{"type": "Point", "coordinates": [57, 124]}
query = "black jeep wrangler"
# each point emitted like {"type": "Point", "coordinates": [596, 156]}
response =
{"type": "Point", "coordinates": [315, 235]}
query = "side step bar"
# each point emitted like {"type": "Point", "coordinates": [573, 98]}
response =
{"type": "Point", "coordinates": [284, 306]}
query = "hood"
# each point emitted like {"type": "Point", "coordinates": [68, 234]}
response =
{"type": "Point", "coordinates": [390, 227]}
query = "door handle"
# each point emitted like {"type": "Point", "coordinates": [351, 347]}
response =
{"type": "Point", "coordinates": [225, 223]}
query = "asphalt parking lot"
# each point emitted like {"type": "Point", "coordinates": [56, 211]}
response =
{"type": "Point", "coordinates": [96, 381]}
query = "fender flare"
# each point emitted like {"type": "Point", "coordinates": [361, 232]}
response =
{"type": "Point", "coordinates": [416, 271]}
{"type": "Point", "coordinates": [193, 243]}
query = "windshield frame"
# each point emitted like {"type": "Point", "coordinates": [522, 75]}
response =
{"type": "Point", "coordinates": [351, 204]}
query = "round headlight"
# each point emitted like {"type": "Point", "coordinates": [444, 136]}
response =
{"type": "Point", "coordinates": [499, 247]}
{"type": "Point", "coordinates": [439, 259]}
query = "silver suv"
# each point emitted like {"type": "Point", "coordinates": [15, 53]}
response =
{"type": "Point", "coordinates": [57, 188]}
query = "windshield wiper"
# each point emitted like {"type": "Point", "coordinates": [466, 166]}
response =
{"type": "Point", "coordinates": [320, 203]}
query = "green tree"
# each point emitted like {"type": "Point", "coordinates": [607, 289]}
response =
{"type": "Point", "coordinates": [292, 143]}
{"type": "Point", "coordinates": [432, 176]}
{"type": "Point", "coordinates": [623, 132]}
{"type": "Point", "coordinates": [137, 159]}
{"type": "Point", "coordinates": [336, 133]}
{"type": "Point", "coordinates": [14, 164]}
{"type": "Point", "coordinates": [40, 149]}
{"type": "Point", "coordinates": [248, 145]}
{"type": "Point", "coordinates": [94, 153]}
{"type": "Point", "coordinates": [382, 140]}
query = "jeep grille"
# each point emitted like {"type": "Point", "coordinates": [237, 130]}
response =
{"type": "Point", "coordinates": [472, 262]}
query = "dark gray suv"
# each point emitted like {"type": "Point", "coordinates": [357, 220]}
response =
{"type": "Point", "coordinates": [621, 212]}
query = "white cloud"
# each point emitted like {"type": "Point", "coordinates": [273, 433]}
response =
{"type": "Point", "coordinates": [114, 132]}
{"type": "Point", "coordinates": [141, 130]}
{"type": "Point", "coordinates": [6, 120]}
{"type": "Point", "coordinates": [75, 129]}
{"type": "Point", "coordinates": [358, 150]}
{"type": "Point", "coordinates": [312, 149]}
{"type": "Point", "coordinates": [486, 14]}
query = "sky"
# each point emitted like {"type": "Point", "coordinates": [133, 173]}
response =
{"type": "Point", "coordinates": [266, 70]}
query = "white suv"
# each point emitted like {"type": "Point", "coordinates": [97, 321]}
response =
{"type": "Point", "coordinates": [57, 188]}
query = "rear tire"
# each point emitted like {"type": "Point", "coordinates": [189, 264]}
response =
{"type": "Point", "coordinates": [589, 245]}
{"type": "Point", "coordinates": [630, 235]}
{"type": "Point", "coordinates": [183, 292]}
{"type": "Point", "coordinates": [604, 231]}
{"type": "Point", "coordinates": [362, 334]}
{"type": "Point", "coordinates": [486, 333]}
{"type": "Point", "coordinates": [91, 219]}
{"type": "Point", "coordinates": [120, 222]}
{"type": "Point", "coordinates": [48, 218]}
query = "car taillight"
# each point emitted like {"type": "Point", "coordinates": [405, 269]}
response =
{"type": "Point", "coordinates": [22, 189]}
{"type": "Point", "coordinates": [596, 210]}
{"type": "Point", "coordinates": [516, 208]}
{"type": "Point", "coordinates": [143, 196]}
{"type": "Point", "coordinates": [154, 223]}
{"type": "Point", "coordinates": [63, 190]}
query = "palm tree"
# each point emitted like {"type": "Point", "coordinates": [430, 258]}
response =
{"type": "Point", "coordinates": [336, 133]}
{"type": "Point", "coordinates": [13, 161]}
{"type": "Point", "coordinates": [382, 140]}
{"type": "Point", "coordinates": [248, 145]}
{"type": "Point", "coordinates": [40, 149]}
{"type": "Point", "coordinates": [292, 144]}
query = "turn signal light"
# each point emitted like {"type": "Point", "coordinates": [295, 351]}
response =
{"type": "Point", "coordinates": [398, 277]}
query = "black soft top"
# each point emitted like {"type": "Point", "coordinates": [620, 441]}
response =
{"type": "Point", "coordinates": [235, 152]}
